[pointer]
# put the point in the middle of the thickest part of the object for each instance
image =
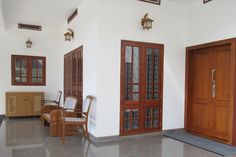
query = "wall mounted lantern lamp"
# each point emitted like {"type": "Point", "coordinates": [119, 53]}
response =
{"type": "Point", "coordinates": [146, 22]}
{"type": "Point", "coordinates": [28, 43]}
{"type": "Point", "coordinates": [69, 35]}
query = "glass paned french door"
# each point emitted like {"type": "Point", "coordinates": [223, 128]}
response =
{"type": "Point", "coordinates": [141, 87]}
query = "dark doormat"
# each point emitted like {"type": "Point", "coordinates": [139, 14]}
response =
{"type": "Point", "coordinates": [209, 145]}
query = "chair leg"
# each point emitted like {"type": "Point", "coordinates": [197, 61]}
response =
{"type": "Point", "coordinates": [86, 130]}
{"type": "Point", "coordinates": [63, 133]}
{"type": "Point", "coordinates": [83, 130]}
{"type": "Point", "coordinates": [42, 120]}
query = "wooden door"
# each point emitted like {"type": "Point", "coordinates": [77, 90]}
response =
{"type": "Point", "coordinates": [36, 102]}
{"type": "Point", "coordinates": [73, 75]}
{"type": "Point", "coordinates": [208, 111]}
{"type": "Point", "coordinates": [26, 104]}
{"type": "Point", "coordinates": [202, 90]}
{"type": "Point", "coordinates": [12, 105]}
{"type": "Point", "coordinates": [141, 87]}
{"type": "Point", "coordinates": [221, 100]}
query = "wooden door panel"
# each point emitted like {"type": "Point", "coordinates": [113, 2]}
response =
{"type": "Point", "coordinates": [12, 105]}
{"type": "Point", "coordinates": [202, 68]}
{"type": "Point", "coordinates": [202, 118]}
{"type": "Point", "coordinates": [202, 86]}
{"type": "Point", "coordinates": [221, 76]}
{"type": "Point", "coordinates": [37, 98]}
{"type": "Point", "coordinates": [221, 100]}
{"type": "Point", "coordinates": [26, 104]}
{"type": "Point", "coordinates": [221, 121]}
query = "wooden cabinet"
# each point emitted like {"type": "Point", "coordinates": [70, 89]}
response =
{"type": "Point", "coordinates": [210, 90]}
{"type": "Point", "coordinates": [23, 103]}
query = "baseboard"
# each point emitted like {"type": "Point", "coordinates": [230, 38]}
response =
{"type": "Point", "coordinates": [98, 140]}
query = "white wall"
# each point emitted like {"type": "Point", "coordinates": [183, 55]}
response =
{"type": "Point", "coordinates": [2, 26]}
{"type": "Point", "coordinates": [121, 20]}
{"type": "Point", "coordinates": [47, 42]}
{"type": "Point", "coordinates": [210, 22]}
{"type": "Point", "coordinates": [85, 30]}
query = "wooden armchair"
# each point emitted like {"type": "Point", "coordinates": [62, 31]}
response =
{"type": "Point", "coordinates": [81, 122]}
{"type": "Point", "coordinates": [53, 102]}
{"type": "Point", "coordinates": [51, 114]}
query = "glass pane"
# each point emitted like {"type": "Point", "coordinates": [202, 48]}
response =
{"type": "Point", "coordinates": [23, 68]}
{"type": "Point", "coordinates": [136, 65]}
{"type": "Point", "coordinates": [127, 114]}
{"type": "Point", "coordinates": [135, 124]}
{"type": "Point", "coordinates": [131, 73]}
{"type": "Point", "coordinates": [17, 68]}
{"type": "Point", "coordinates": [155, 112]}
{"type": "Point", "coordinates": [135, 88]}
{"type": "Point", "coordinates": [127, 125]}
{"type": "Point", "coordinates": [148, 112]}
{"type": "Point", "coordinates": [148, 123]}
{"type": "Point", "coordinates": [156, 65]}
{"type": "Point", "coordinates": [23, 79]}
{"type": "Point", "coordinates": [149, 65]}
{"type": "Point", "coordinates": [37, 70]}
{"type": "Point", "coordinates": [155, 123]}
{"type": "Point", "coordinates": [135, 97]}
{"type": "Point", "coordinates": [17, 79]}
{"type": "Point", "coordinates": [128, 54]}
{"type": "Point", "coordinates": [156, 96]}
{"type": "Point", "coordinates": [135, 113]}
{"type": "Point", "coordinates": [151, 118]}
{"type": "Point", "coordinates": [156, 88]}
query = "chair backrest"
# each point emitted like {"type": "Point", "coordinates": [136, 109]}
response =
{"type": "Point", "coordinates": [70, 102]}
{"type": "Point", "coordinates": [58, 98]}
{"type": "Point", "coordinates": [87, 104]}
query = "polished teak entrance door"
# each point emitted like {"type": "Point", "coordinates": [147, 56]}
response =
{"type": "Point", "coordinates": [141, 87]}
{"type": "Point", "coordinates": [210, 87]}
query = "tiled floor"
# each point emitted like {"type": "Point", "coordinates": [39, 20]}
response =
{"type": "Point", "coordinates": [27, 138]}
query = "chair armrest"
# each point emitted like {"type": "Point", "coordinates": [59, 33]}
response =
{"type": "Point", "coordinates": [49, 108]}
{"type": "Point", "coordinates": [48, 101]}
{"type": "Point", "coordinates": [67, 112]}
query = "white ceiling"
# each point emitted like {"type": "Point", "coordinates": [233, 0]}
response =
{"type": "Point", "coordinates": [51, 13]}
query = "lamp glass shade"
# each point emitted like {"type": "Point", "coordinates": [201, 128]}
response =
{"type": "Point", "coordinates": [67, 36]}
{"type": "Point", "coordinates": [28, 43]}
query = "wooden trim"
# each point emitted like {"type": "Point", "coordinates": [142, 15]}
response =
{"type": "Point", "coordinates": [210, 44]}
{"type": "Point", "coordinates": [72, 16]}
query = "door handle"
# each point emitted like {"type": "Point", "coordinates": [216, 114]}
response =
{"type": "Point", "coordinates": [213, 83]}
{"type": "Point", "coordinates": [213, 71]}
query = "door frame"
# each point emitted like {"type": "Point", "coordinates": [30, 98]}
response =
{"type": "Point", "coordinates": [152, 45]}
